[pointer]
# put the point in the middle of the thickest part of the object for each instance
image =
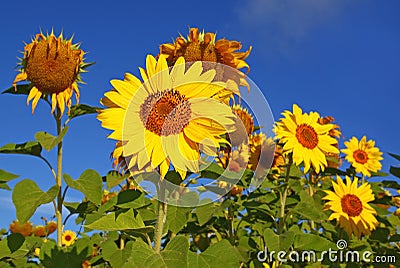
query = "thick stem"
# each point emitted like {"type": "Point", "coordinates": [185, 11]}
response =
{"type": "Point", "coordinates": [161, 215]}
{"type": "Point", "coordinates": [283, 197]}
{"type": "Point", "coordinates": [59, 181]}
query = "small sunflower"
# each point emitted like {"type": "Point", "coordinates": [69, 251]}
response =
{"type": "Point", "coordinates": [350, 207]}
{"type": "Point", "coordinates": [200, 46]}
{"type": "Point", "coordinates": [53, 66]}
{"type": "Point", "coordinates": [363, 155]}
{"type": "Point", "coordinates": [303, 136]}
{"type": "Point", "coordinates": [68, 238]}
{"type": "Point", "coordinates": [167, 118]}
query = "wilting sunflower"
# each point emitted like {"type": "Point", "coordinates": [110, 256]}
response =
{"type": "Point", "coordinates": [200, 46]}
{"type": "Point", "coordinates": [261, 154]}
{"type": "Point", "coordinates": [53, 66]}
{"type": "Point", "coordinates": [68, 238]}
{"type": "Point", "coordinates": [363, 155]}
{"type": "Point", "coordinates": [169, 117]}
{"type": "Point", "coordinates": [350, 207]}
{"type": "Point", "coordinates": [25, 229]}
{"type": "Point", "coordinates": [303, 136]}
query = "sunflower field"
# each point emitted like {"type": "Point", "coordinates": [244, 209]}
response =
{"type": "Point", "coordinates": [201, 175]}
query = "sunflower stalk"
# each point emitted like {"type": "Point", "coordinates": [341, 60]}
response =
{"type": "Point", "coordinates": [161, 216]}
{"type": "Point", "coordinates": [283, 197]}
{"type": "Point", "coordinates": [59, 181]}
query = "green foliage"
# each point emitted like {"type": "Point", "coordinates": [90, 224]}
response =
{"type": "Point", "coordinates": [27, 197]}
{"type": "Point", "coordinates": [124, 219]}
{"type": "Point", "coordinates": [6, 177]}
{"type": "Point", "coordinates": [82, 109]}
{"type": "Point", "coordinates": [29, 148]}
{"type": "Point", "coordinates": [48, 141]}
{"type": "Point", "coordinates": [19, 90]}
{"type": "Point", "coordinates": [89, 183]}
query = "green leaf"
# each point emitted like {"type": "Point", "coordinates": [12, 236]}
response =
{"type": "Point", "coordinates": [395, 156]}
{"type": "Point", "coordinates": [116, 256]}
{"type": "Point", "coordinates": [85, 207]}
{"type": "Point", "coordinates": [49, 141]}
{"type": "Point", "coordinates": [6, 177]}
{"type": "Point", "coordinates": [29, 148]}
{"type": "Point", "coordinates": [82, 109]}
{"type": "Point", "coordinates": [205, 212]}
{"type": "Point", "coordinates": [309, 209]}
{"type": "Point", "coordinates": [280, 242]}
{"type": "Point", "coordinates": [89, 183]}
{"type": "Point", "coordinates": [21, 90]}
{"type": "Point", "coordinates": [113, 178]}
{"type": "Point", "coordinates": [53, 256]}
{"type": "Point", "coordinates": [312, 242]}
{"type": "Point", "coordinates": [395, 171]}
{"type": "Point", "coordinates": [13, 246]}
{"type": "Point", "coordinates": [214, 256]}
{"type": "Point", "coordinates": [177, 217]}
{"type": "Point", "coordinates": [115, 221]}
{"type": "Point", "coordinates": [27, 197]}
{"type": "Point", "coordinates": [140, 253]}
{"type": "Point", "coordinates": [132, 199]}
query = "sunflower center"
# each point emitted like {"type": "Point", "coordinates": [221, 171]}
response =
{"type": "Point", "coordinates": [52, 66]}
{"type": "Point", "coordinates": [165, 113]}
{"type": "Point", "coordinates": [360, 156]}
{"type": "Point", "coordinates": [68, 238]}
{"type": "Point", "coordinates": [307, 136]}
{"type": "Point", "coordinates": [351, 205]}
{"type": "Point", "coordinates": [196, 51]}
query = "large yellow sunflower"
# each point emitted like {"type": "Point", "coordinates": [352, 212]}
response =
{"type": "Point", "coordinates": [169, 117]}
{"type": "Point", "coordinates": [200, 46]}
{"type": "Point", "coordinates": [350, 207]}
{"type": "Point", "coordinates": [52, 65]}
{"type": "Point", "coordinates": [363, 155]}
{"type": "Point", "coordinates": [303, 136]}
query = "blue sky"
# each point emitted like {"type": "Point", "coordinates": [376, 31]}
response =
{"type": "Point", "coordinates": [340, 58]}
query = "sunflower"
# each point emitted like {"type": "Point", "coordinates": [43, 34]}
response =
{"type": "Point", "coordinates": [200, 46]}
{"type": "Point", "coordinates": [169, 117]}
{"type": "Point", "coordinates": [363, 155]}
{"type": "Point", "coordinates": [305, 138]}
{"type": "Point", "coordinates": [53, 66]}
{"type": "Point", "coordinates": [350, 207]}
{"type": "Point", "coordinates": [68, 238]}
{"type": "Point", "coordinates": [39, 231]}
{"type": "Point", "coordinates": [261, 154]}
{"type": "Point", "coordinates": [333, 159]}
{"type": "Point", "coordinates": [25, 229]}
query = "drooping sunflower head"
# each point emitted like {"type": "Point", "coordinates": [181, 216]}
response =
{"type": "Point", "coordinates": [53, 66]}
{"type": "Point", "coordinates": [245, 117]}
{"type": "Point", "coordinates": [261, 154]}
{"type": "Point", "coordinates": [68, 238]}
{"type": "Point", "coordinates": [305, 138]}
{"type": "Point", "coordinates": [201, 46]}
{"type": "Point", "coordinates": [363, 155]}
{"type": "Point", "coordinates": [333, 159]}
{"type": "Point", "coordinates": [350, 207]}
{"type": "Point", "coordinates": [169, 117]}
{"type": "Point", "coordinates": [25, 229]}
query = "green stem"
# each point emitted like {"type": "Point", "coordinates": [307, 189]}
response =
{"type": "Point", "coordinates": [161, 215]}
{"type": "Point", "coordinates": [59, 181]}
{"type": "Point", "coordinates": [283, 197]}
{"type": "Point", "coordinates": [230, 220]}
